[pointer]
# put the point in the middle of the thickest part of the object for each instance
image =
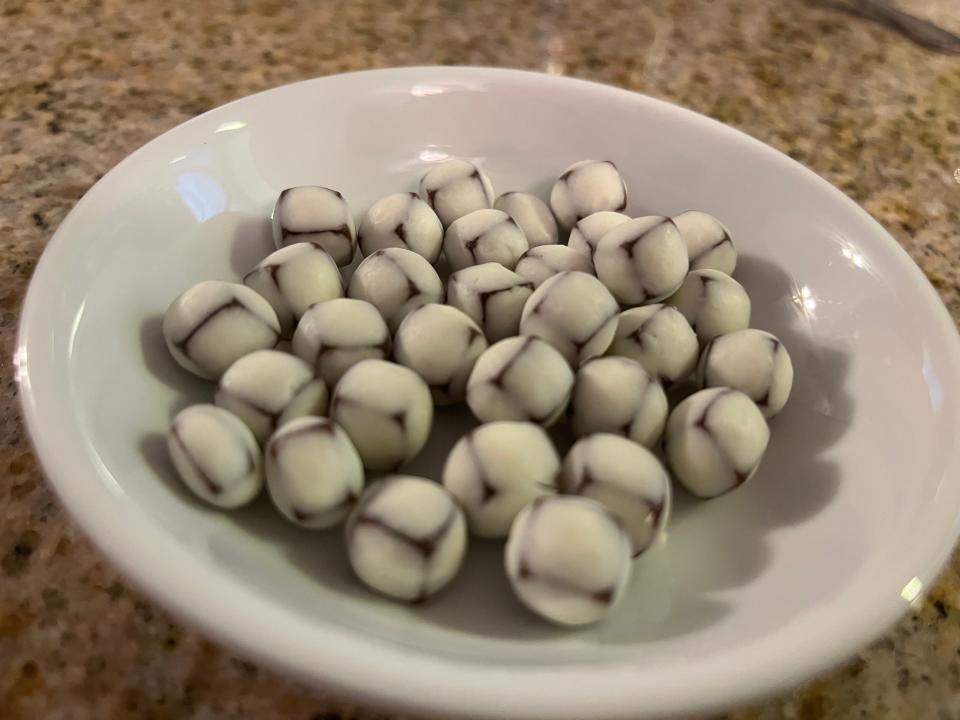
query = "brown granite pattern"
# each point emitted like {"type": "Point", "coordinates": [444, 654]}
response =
{"type": "Point", "coordinates": [83, 83]}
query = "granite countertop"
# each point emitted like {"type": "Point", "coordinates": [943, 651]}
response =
{"type": "Point", "coordinates": [86, 82]}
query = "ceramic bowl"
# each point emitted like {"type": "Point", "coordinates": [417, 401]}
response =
{"type": "Point", "coordinates": [850, 517]}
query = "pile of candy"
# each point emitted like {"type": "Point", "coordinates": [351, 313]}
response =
{"type": "Point", "coordinates": [595, 331]}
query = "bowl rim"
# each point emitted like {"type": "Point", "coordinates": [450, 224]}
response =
{"type": "Point", "coordinates": [362, 666]}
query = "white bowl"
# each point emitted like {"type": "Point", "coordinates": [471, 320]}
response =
{"type": "Point", "coordinates": [851, 515]}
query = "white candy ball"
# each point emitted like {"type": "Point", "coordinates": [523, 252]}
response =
{"type": "Point", "coordinates": [335, 335]}
{"type": "Point", "coordinates": [495, 470]}
{"type": "Point", "coordinates": [484, 236]}
{"type": "Point", "coordinates": [402, 220]}
{"type": "Point", "coordinates": [625, 478]}
{"type": "Point", "coordinates": [568, 559]}
{"type": "Point", "coordinates": [713, 303]}
{"type": "Point", "coordinates": [532, 215]}
{"type": "Point", "coordinates": [455, 188]}
{"type": "Point", "coordinates": [659, 338]}
{"type": "Point", "coordinates": [406, 538]}
{"type": "Point", "coordinates": [315, 214]}
{"type": "Point", "coordinates": [586, 234]}
{"type": "Point", "coordinates": [441, 344]}
{"type": "Point", "coordinates": [268, 388]}
{"type": "Point", "coordinates": [575, 313]}
{"type": "Point", "coordinates": [314, 474]}
{"type": "Point", "coordinates": [752, 361]}
{"type": "Point", "coordinates": [492, 296]}
{"type": "Point", "coordinates": [216, 456]}
{"type": "Point", "coordinates": [715, 440]}
{"type": "Point", "coordinates": [544, 261]}
{"type": "Point", "coordinates": [387, 411]}
{"type": "Point", "coordinates": [294, 278]}
{"type": "Point", "coordinates": [616, 395]}
{"type": "Point", "coordinates": [520, 378]}
{"type": "Point", "coordinates": [214, 324]}
{"type": "Point", "coordinates": [642, 260]}
{"type": "Point", "coordinates": [708, 242]}
{"type": "Point", "coordinates": [587, 187]}
{"type": "Point", "coordinates": [395, 281]}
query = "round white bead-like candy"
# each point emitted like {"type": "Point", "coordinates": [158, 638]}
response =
{"type": "Point", "coordinates": [335, 335]}
{"type": "Point", "coordinates": [441, 344]}
{"type": "Point", "coordinates": [544, 261]}
{"type": "Point", "coordinates": [214, 324]}
{"type": "Point", "coordinates": [315, 214]}
{"type": "Point", "coordinates": [520, 378]}
{"type": "Point", "coordinates": [715, 440]}
{"type": "Point", "coordinates": [455, 188]}
{"type": "Point", "coordinates": [575, 313]}
{"type": "Point", "coordinates": [753, 362]}
{"type": "Point", "coordinates": [406, 538]}
{"type": "Point", "coordinates": [587, 187]}
{"type": "Point", "coordinates": [713, 303]}
{"type": "Point", "coordinates": [616, 395]}
{"type": "Point", "coordinates": [568, 559]}
{"type": "Point", "coordinates": [586, 234]}
{"type": "Point", "coordinates": [401, 220]}
{"type": "Point", "coordinates": [484, 236]}
{"type": "Point", "coordinates": [395, 281]}
{"type": "Point", "coordinates": [294, 278]}
{"type": "Point", "coordinates": [268, 388]}
{"type": "Point", "coordinates": [708, 242]}
{"type": "Point", "coordinates": [492, 296]}
{"type": "Point", "coordinates": [386, 410]}
{"type": "Point", "coordinates": [216, 455]}
{"type": "Point", "coordinates": [642, 260]}
{"type": "Point", "coordinates": [314, 474]}
{"type": "Point", "coordinates": [495, 470]}
{"type": "Point", "coordinates": [532, 215]}
{"type": "Point", "coordinates": [625, 478]}
{"type": "Point", "coordinates": [659, 338]}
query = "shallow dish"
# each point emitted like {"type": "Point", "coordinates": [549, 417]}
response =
{"type": "Point", "coordinates": [853, 511]}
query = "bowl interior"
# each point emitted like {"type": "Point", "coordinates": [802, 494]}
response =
{"type": "Point", "coordinates": [851, 512]}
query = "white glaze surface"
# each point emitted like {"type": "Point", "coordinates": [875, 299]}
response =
{"type": "Point", "coordinates": [395, 281]}
{"type": "Point", "coordinates": [406, 538]}
{"type": "Point", "coordinates": [715, 440]}
{"type": "Point", "coordinates": [441, 344]}
{"type": "Point", "coordinates": [213, 324]}
{"type": "Point", "coordinates": [492, 296]}
{"type": "Point", "coordinates": [335, 335]}
{"type": "Point", "coordinates": [215, 455]}
{"type": "Point", "coordinates": [752, 361]}
{"type": "Point", "coordinates": [625, 478]}
{"type": "Point", "coordinates": [616, 395]}
{"type": "Point", "coordinates": [573, 312]}
{"type": "Point", "coordinates": [314, 474]}
{"type": "Point", "coordinates": [568, 559]}
{"type": "Point", "coordinates": [484, 236]}
{"type": "Point", "coordinates": [401, 220]}
{"type": "Point", "coordinates": [268, 388]}
{"type": "Point", "coordinates": [387, 411]}
{"type": "Point", "coordinates": [659, 338]}
{"type": "Point", "coordinates": [520, 378]}
{"type": "Point", "coordinates": [294, 278]}
{"type": "Point", "coordinates": [532, 215]}
{"type": "Point", "coordinates": [495, 470]}
{"type": "Point", "coordinates": [713, 303]}
{"type": "Point", "coordinates": [316, 214]}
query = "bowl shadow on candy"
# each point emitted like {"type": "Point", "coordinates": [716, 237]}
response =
{"type": "Point", "coordinates": [720, 544]}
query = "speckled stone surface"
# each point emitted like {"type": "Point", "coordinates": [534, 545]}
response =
{"type": "Point", "coordinates": [82, 84]}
